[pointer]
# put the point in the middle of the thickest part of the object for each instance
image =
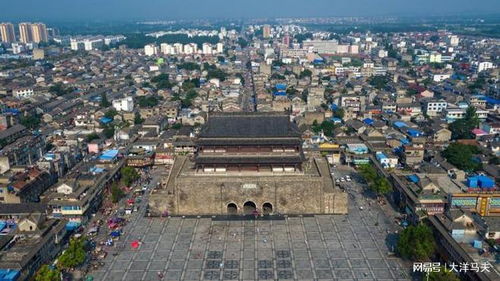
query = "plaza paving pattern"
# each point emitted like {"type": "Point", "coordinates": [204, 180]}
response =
{"type": "Point", "coordinates": [323, 247]}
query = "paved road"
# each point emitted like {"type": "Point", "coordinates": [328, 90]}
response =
{"type": "Point", "coordinates": [136, 218]}
{"type": "Point", "coordinates": [324, 247]}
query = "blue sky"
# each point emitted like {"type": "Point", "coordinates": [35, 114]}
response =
{"type": "Point", "coordinates": [175, 9]}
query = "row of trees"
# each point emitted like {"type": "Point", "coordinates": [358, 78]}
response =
{"type": "Point", "coordinates": [376, 183]}
{"type": "Point", "coordinates": [326, 127]}
{"type": "Point", "coordinates": [72, 257]}
{"type": "Point", "coordinates": [417, 243]}
{"type": "Point", "coordinates": [461, 156]}
{"type": "Point", "coordinates": [462, 128]}
{"type": "Point", "coordinates": [59, 89]}
{"type": "Point", "coordinates": [128, 176]}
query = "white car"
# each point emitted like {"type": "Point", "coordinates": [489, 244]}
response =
{"type": "Point", "coordinates": [347, 178]}
{"type": "Point", "coordinates": [342, 179]}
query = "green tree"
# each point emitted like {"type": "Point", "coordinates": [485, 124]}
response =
{"type": "Point", "coordinates": [217, 73]}
{"type": "Point", "coordinates": [3, 142]}
{"type": "Point", "coordinates": [116, 193]}
{"type": "Point", "coordinates": [443, 274]}
{"type": "Point", "coordinates": [111, 113]}
{"type": "Point", "coordinates": [242, 79]}
{"type": "Point", "coordinates": [31, 121]}
{"type": "Point", "coordinates": [162, 81]}
{"type": "Point", "coordinates": [188, 99]}
{"type": "Point", "coordinates": [189, 66]}
{"type": "Point", "coordinates": [434, 38]}
{"type": "Point", "coordinates": [188, 85]}
{"type": "Point", "coordinates": [176, 126]}
{"type": "Point", "coordinates": [379, 82]}
{"type": "Point", "coordinates": [305, 73]}
{"type": "Point", "coordinates": [462, 128]}
{"type": "Point", "coordinates": [303, 36]}
{"type": "Point", "coordinates": [74, 255]}
{"type": "Point", "coordinates": [92, 137]}
{"type": "Point", "coordinates": [138, 119]}
{"type": "Point", "coordinates": [461, 156]}
{"type": "Point", "coordinates": [376, 183]}
{"type": "Point", "coordinates": [129, 175]}
{"type": "Point", "coordinates": [277, 76]}
{"type": "Point", "coordinates": [339, 113]}
{"type": "Point", "coordinates": [46, 273]}
{"type": "Point", "coordinates": [59, 89]}
{"type": "Point", "coordinates": [304, 95]}
{"type": "Point", "coordinates": [416, 243]}
{"type": "Point", "coordinates": [109, 132]}
{"type": "Point", "coordinates": [104, 101]}
{"type": "Point", "coordinates": [147, 101]}
{"type": "Point", "coordinates": [242, 42]}
{"type": "Point", "coordinates": [326, 127]}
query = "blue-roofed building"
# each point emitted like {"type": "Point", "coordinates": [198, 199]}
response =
{"type": "Point", "coordinates": [336, 120]}
{"type": "Point", "coordinates": [405, 141]}
{"type": "Point", "coordinates": [9, 274]}
{"type": "Point", "coordinates": [96, 170]}
{"type": "Point", "coordinates": [280, 87]}
{"type": "Point", "coordinates": [491, 100]}
{"type": "Point", "coordinates": [413, 178]}
{"type": "Point", "coordinates": [357, 148]}
{"type": "Point", "coordinates": [386, 161]}
{"type": "Point", "coordinates": [414, 133]}
{"type": "Point", "coordinates": [368, 121]}
{"type": "Point", "coordinates": [480, 182]}
{"type": "Point", "coordinates": [109, 155]}
{"type": "Point", "coordinates": [105, 120]}
{"type": "Point", "coordinates": [334, 107]}
{"type": "Point", "coordinates": [318, 61]}
{"type": "Point", "coordinates": [400, 124]}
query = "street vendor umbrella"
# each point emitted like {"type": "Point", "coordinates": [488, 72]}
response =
{"type": "Point", "coordinates": [135, 244]}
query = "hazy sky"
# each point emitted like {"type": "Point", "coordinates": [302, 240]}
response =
{"type": "Point", "coordinates": [175, 9]}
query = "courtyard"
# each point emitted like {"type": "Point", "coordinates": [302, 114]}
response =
{"type": "Point", "coordinates": [323, 247]}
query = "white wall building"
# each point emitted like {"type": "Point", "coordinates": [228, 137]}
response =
{"type": "Point", "coordinates": [435, 107]}
{"type": "Point", "coordinates": [485, 65]}
{"type": "Point", "coordinates": [150, 50]}
{"type": "Point", "coordinates": [220, 48]}
{"type": "Point", "coordinates": [23, 93]}
{"type": "Point", "coordinates": [125, 104]}
{"type": "Point", "coordinates": [207, 49]}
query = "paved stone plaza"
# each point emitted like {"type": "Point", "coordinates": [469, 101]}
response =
{"type": "Point", "coordinates": [325, 247]}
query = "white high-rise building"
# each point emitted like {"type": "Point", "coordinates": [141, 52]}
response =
{"type": "Point", "coordinates": [93, 43]}
{"type": "Point", "coordinates": [194, 47]}
{"type": "Point", "coordinates": [179, 48]}
{"type": "Point", "coordinates": [220, 48]}
{"type": "Point", "coordinates": [453, 40]}
{"type": "Point", "coordinates": [150, 50]}
{"type": "Point", "coordinates": [7, 33]}
{"type": "Point", "coordinates": [207, 49]}
{"type": "Point", "coordinates": [188, 49]}
{"type": "Point", "coordinates": [165, 48]}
